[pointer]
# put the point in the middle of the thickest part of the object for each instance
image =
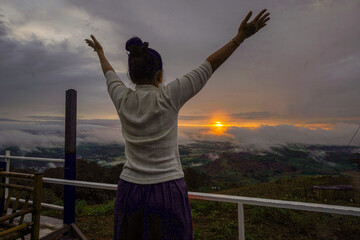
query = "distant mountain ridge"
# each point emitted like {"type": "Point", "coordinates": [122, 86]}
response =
{"type": "Point", "coordinates": [221, 161]}
{"type": "Point", "coordinates": [280, 161]}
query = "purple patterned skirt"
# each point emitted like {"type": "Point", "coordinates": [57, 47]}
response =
{"type": "Point", "coordinates": [152, 211]}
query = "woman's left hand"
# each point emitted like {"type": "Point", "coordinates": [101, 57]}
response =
{"type": "Point", "coordinates": [246, 29]}
{"type": "Point", "coordinates": [94, 44]}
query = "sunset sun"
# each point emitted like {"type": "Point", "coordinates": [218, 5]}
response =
{"type": "Point", "coordinates": [218, 128]}
{"type": "Point", "coordinates": [218, 124]}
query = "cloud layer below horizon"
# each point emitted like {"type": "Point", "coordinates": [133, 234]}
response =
{"type": "Point", "coordinates": [41, 132]}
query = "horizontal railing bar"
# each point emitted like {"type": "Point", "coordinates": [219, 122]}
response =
{"type": "Point", "coordinates": [23, 176]}
{"type": "Point", "coordinates": [46, 205]}
{"type": "Point", "coordinates": [315, 207]}
{"type": "Point", "coordinates": [35, 158]}
{"type": "Point", "coordinates": [77, 183]}
{"type": "Point", "coordinates": [20, 187]}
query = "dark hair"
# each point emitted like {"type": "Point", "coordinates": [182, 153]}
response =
{"type": "Point", "coordinates": [143, 61]}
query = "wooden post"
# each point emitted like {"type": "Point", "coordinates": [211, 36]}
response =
{"type": "Point", "coordinates": [7, 169]}
{"type": "Point", "coordinates": [70, 156]}
{"type": "Point", "coordinates": [35, 234]}
{"type": "Point", "coordinates": [2, 180]}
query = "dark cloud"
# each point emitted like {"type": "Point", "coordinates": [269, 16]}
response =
{"type": "Point", "coordinates": [36, 76]}
{"type": "Point", "coordinates": [57, 120]}
{"type": "Point", "coordinates": [3, 29]}
{"type": "Point", "coordinates": [192, 117]}
{"type": "Point", "coordinates": [350, 121]}
{"type": "Point", "coordinates": [100, 122]}
{"type": "Point", "coordinates": [255, 115]}
{"type": "Point", "coordinates": [303, 66]}
{"type": "Point", "coordinates": [8, 120]}
{"type": "Point", "coordinates": [47, 118]}
{"type": "Point", "coordinates": [14, 120]}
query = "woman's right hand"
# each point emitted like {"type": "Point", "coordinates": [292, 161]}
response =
{"type": "Point", "coordinates": [94, 44]}
{"type": "Point", "coordinates": [246, 30]}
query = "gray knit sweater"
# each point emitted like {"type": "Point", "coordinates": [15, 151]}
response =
{"type": "Point", "coordinates": [149, 119]}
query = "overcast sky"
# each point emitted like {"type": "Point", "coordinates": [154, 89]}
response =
{"type": "Point", "coordinates": [299, 74]}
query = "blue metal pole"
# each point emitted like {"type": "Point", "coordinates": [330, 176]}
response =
{"type": "Point", "coordinates": [70, 156]}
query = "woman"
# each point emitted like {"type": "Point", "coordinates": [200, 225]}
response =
{"type": "Point", "coordinates": [152, 198]}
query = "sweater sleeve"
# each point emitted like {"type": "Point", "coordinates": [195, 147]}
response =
{"type": "Point", "coordinates": [116, 88]}
{"type": "Point", "coordinates": [184, 88]}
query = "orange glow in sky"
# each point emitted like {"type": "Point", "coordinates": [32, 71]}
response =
{"type": "Point", "coordinates": [219, 123]}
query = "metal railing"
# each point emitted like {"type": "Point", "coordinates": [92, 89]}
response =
{"type": "Point", "coordinates": [240, 201]}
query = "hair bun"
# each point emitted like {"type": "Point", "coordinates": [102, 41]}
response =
{"type": "Point", "coordinates": [136, 46]}
{"type": "Point", "coordinates": [145, 46]}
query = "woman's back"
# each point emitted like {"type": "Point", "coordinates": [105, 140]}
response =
{"type": "Point", "coordinates": [148, 117]}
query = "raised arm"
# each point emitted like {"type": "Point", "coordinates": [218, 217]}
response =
{"type": "Point", "coordinates": [116, 87]}
{"type": "Point", "coordinates": [245, 30]}
{"type": "Point", "coordinates": [105, 65]}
